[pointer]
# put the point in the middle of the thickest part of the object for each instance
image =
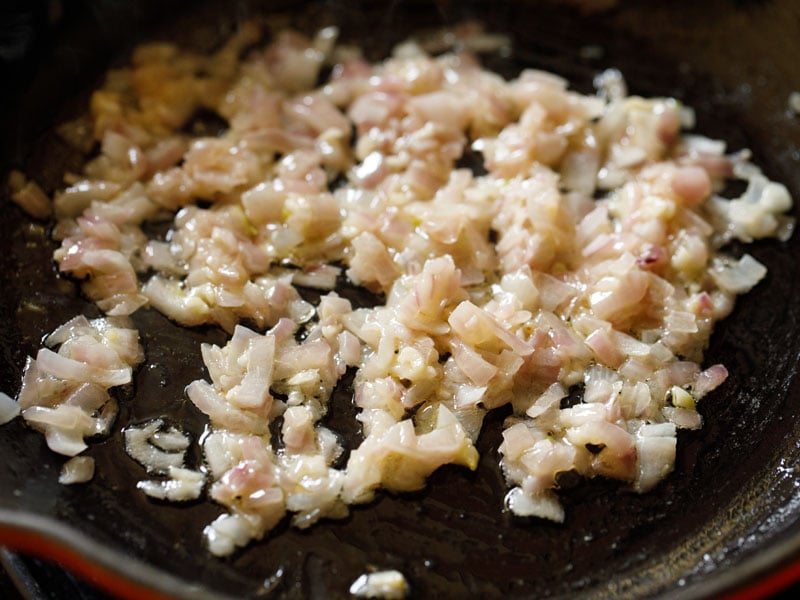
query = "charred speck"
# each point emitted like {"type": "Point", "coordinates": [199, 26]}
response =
{"type": "Point", "coordinates": [473, 161]}
{"type": "Point", "coordinates": [300, 334]}
{"type": "Point", "coordinates": [206, 123]}
{"type": "Point", "coordinates": [324, 75]}
{"type": "Point", "coordinates": [573, 397]}
{"type": "Point", "coordinates": [275, 438]}
{"type": "Point", "coordinates": [566, 480]}
{"type": "Point", "coordinates": [595, 448]}
{"type": "Point", "coordinates": [340, 181]}
{"type": "Point", "coordinates": [157, 228]}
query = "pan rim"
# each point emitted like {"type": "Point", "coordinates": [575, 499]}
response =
{"type": "Point", "coordinates": [128, 578]}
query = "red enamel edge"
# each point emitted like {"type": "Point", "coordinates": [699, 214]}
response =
{"type": "Point", "coordinates": [105, 579]}
{"type": "Point", "coordinates": [773, 583]}
{"type": "Point", "coordinates": [42, 546]}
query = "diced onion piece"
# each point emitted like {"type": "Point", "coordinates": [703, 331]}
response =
{"type": "Point", "coordinates": [9, 408]}
{"type": "Point", "coordinates": [170, 440]}
{"type": "Point", "coordinates": [62, 367]}
{"type": "Point", "coordinates": [226, 533]}
{"type": "Point", "coordinates": [655, 452]}
{"type": "Point", "coordinates": [709, 380]}
{"type": "Point", "coordinates": [545, 506]}
{"type": "Point", "coordinates": [683, 418]}
{"type": "Point", "coordinates": [322, 277]}
{"type": "Point", "coordinates": [141, 444]}
{"type": "Point", "coordinates": [794, 102]}
{"type": "Point", "coordinates": [183, 485]}
{"type": "Point", "coordinates": [739, 277]}
{"type": "Point", "coordinates": [383, 585]}
{"type": "Point", "coordinates": [29, 196]}
{"type": "Point", "coordinates": [78, 469]}
{"type": "Point", "coordinates": [64, 427]}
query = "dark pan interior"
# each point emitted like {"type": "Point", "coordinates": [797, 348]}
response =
{"type": "Point", "coordinates": [727, 514]}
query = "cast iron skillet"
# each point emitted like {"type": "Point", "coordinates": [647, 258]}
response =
{"type": "Point", "coordinates": [726, 518]}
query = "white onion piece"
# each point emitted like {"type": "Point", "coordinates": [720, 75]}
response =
{"type": "Point", "coordinates": [321, 278]}
{"type": "Point", "coordinates": [794, 102]}
{"type": "Point", "coordinates": [62, 367]}
{"type": "Point", "coordinates": [88, 396]}
{"type": "Point", "coordinates": [683, 418]}
{"type": "Point", "coordinates": [579, 171]}
{"type": "Point", "coordinates": [29, 196]}
{"type": "Point", "coordinates": [183, 485]}
{"type": "Point", "coordinates": [228, 532]}
{"type": "Point", "coordinates": [65, 441]}
{"type": "Point", "coordinates": [739, 277]}
{"type": "Point", "coordinates": [141, 445]}
{"type": "Point", "coordinates": [65, 331]}
{"type": "Point", "coordinates": [223, 414]}
{"type": "Point", "coordinates": [121, 305]}
{"type": "Point", "coordinates": [64, 427]}
{"type": "Point", "coordinates": [655, 454]}
{"type": "Point", "coordinates": [29, 390]}
{"type": "Point", "coordinates": [9, 408]}
{"type": "Point", "coordinates": [545, 506]}
{"type": "Point", "coordinates": [78, 469]}
{"type": "Point", "coordinates": [384, 585]}
{"type": "Point", "coordinates": [170, 440]}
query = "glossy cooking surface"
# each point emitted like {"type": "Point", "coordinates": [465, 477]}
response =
{"type": "Point", "coordinates": [732, 505]}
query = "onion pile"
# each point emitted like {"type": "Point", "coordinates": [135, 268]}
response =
{"type": "Point", "coordinates": [577, 276]}
{"type": "Point", "coordinates": [65, 394]}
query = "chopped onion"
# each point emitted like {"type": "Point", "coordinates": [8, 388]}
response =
{"type": "Point", "coordinates": [145, 446]}
{"type": "Point", "coordinates": [78, 469]}
{"type": "Point", "coordinates": [739, 277]}
{"type": "Point", "coordinates": [683, 418]}
{"type": "Point", "coordinates": [183, 485]}
{"type": "Point", "coordinates": [29, 196]}
{"type": "Point", "coordinates": [655, 449]}
{"type": "Point", "coordinates": [466, 203]}
{"type": "Point", "coordinates": [709, 380]}
{"type": "Point", "coordinates": [386, 585]}
{"type": "Point", "coordinates": [9, 408]}
{"type": "Point", "coordinates": [544, 506]}
{"type": "Point", "coordinates": [226, 533]}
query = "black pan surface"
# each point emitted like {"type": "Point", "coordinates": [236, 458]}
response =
{"type": "Point", "coordinates": [728, 514]}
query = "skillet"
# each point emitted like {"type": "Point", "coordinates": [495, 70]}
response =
{"type": "Point", "coordinates": [727, 516]}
